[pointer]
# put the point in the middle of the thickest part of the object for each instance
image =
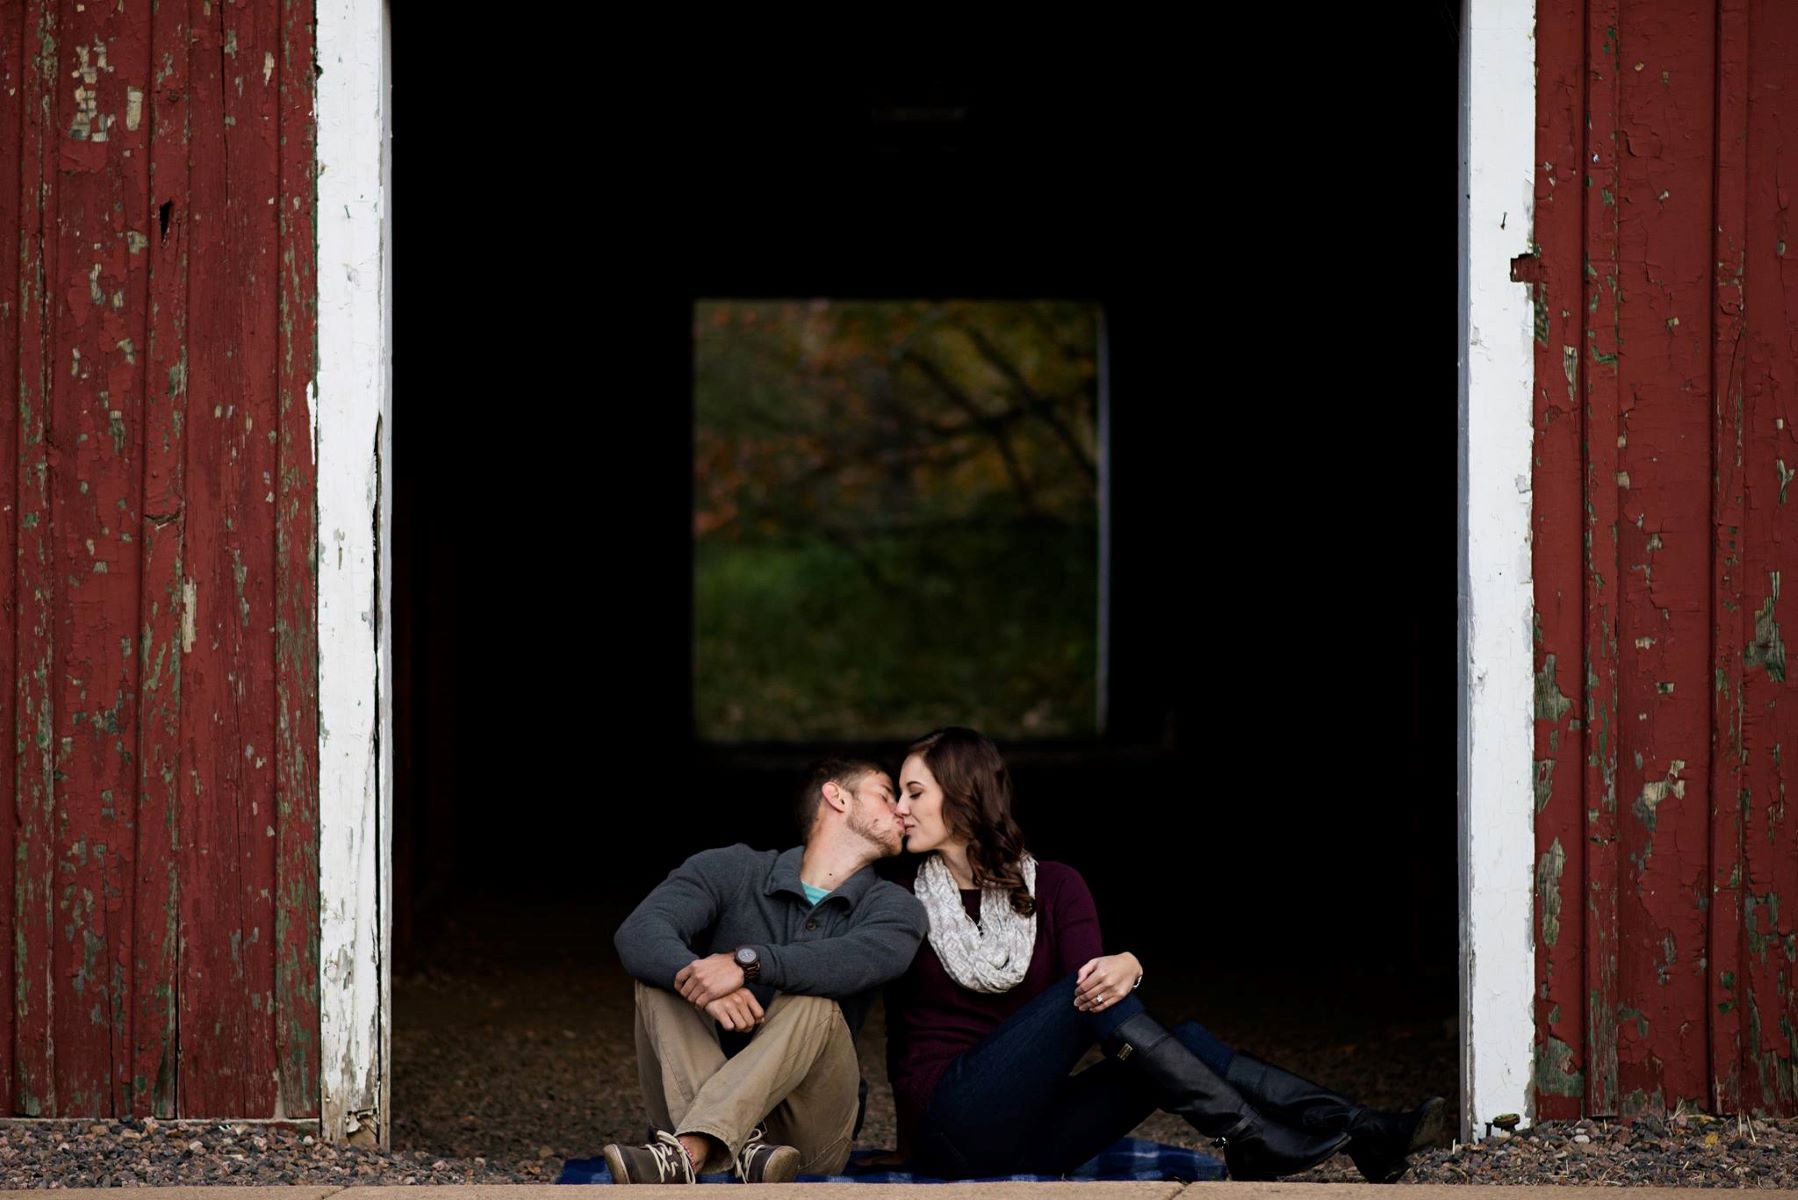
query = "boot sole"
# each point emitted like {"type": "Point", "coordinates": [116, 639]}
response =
{"type": "Point", "coordinates": [1299, 1165]}
{"type": "Point", "coordinates": [1431, 1130]}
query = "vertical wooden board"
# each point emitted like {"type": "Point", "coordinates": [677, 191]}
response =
{"type": "Point", "coordinates": [134, 61]}
{"type": "Point", "coordinates": [13, 110]}
{"type": "Point", "coordinates": [1729, 564]}
{"type": "Point", "coordinates": [34, 1076]}
{"type": "Point", "coordinates": [1601, 431]}
{"type": "Point", "coordinates": [1768, 351]}
{"type": "Point", "coordinates": [1557, 554]}
{"type": "Point", "coordinates": [213, 996]}
{"type": "Point", "coordinates": [96, 310]}
{"type": "Point", "coordinates": [1663, 198]}
{"type": "Point", "coordinates": [296, 591]}
{"type": "Point", "coordinates": [227, 885]}
{"type": "Point", "coordinates": [252, 130]}
{"type": "Point", "coordinates": [160, 605]}
{"type": "Point", "coordinates": [352, 371]}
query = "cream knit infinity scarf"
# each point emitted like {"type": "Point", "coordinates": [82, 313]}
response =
{"type": "Point", "coordinates": [991, 956]}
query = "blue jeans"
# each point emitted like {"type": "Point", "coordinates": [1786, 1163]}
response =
{"type": "Point", "coordinates": [1009, 1104]}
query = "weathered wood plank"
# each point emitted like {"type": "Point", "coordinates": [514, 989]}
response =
{"type": "Point", "coordinates": [252, 130]}
{"type": "Point", "coordinates": [97, 328]}
{"type": "Point", "coordinates": [296, 590]}
{"type": "Point", "coordinates": [1768, 355]}
{"type": "Point", "coordinates": [34, 718]}
{"type": "Point", "coordinates": [1557, 286]}
{"type": "Point", "coordinates": [354, 760]}
{"type": "Point", "coordinates": [13, 113]}
{"type": "Point", "coordinates": [161, 608]}
{"type": "Point", "coordinates": [1728, 561]}
{"type": "Point", "coordinates": [226, 809]}
{"type": "Point", "coordinates": [1664, 61]}
{"type": "Point", "coordinates": [1598, 362]}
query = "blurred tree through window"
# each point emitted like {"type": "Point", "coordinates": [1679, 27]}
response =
{"type": "Point", "coordinates": [895, 518]}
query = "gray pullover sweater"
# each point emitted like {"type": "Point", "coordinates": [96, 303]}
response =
{"type": "Point", "coordinates": [857, 938]}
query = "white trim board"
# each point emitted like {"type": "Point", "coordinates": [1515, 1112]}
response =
{"type": "Point", "coordinates": [353, 432]}
{"type": "Point", "coordinates": [1494, 664]}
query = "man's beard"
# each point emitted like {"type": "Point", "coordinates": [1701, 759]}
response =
{"type": "Point", "coordinates": [865, 831]}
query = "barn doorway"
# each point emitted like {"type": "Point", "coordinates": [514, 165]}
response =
{"type": "Point", "coordinates": [1263, 802]}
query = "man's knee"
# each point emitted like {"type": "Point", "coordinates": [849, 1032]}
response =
{"type": "Point", "coordinates": [816, 1008]}
{"type": "Point", "coordinates": [654, 995]}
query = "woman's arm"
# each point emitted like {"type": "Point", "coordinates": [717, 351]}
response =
{"type": "Point", "coordinates": [1079, 947]}
{"type": "Point", "coordinates": [1071, 915]}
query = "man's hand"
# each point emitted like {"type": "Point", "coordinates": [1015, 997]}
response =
{"type": "Point", "coordinates": [739, 1010]}
{"type": "Point", "coordinates": [707, 979]}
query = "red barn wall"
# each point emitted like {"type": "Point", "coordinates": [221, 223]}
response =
{"type": "Point", "coordinates": [156, 489]}
{"type": "Point", "coordinates": [1667, 863]}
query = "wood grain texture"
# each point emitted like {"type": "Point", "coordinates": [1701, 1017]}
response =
{"type": "Point", "coordinates": [1679, 116]}
{"type": "Point", "coordinates": [162, 384]}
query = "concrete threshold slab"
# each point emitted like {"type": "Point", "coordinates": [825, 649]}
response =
{"type": "Point", "coordinates": [1446, 1191]}
{"type": "Point", "coordinates": [1075, 1190]}
{"type": "Point", "coordinates": [299, 1191]}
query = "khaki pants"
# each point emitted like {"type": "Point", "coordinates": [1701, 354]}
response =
{"type": "Point", "coordinates": [798, 1076]}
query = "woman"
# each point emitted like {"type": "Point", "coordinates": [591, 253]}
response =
{"type": "Point", "coordinates": [1012, 988]}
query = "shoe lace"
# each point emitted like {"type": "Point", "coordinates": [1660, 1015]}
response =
{"type": "Point", "coordinates": [671, 1158]}
{"type": "Point", "coordinates": [746, 1156]}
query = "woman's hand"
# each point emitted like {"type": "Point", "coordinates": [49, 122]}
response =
{"type": "Point", "coordinates": [1104, 981]}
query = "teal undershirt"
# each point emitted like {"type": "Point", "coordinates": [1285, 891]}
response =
{"type": "Point", "coordinates": [812, 894]}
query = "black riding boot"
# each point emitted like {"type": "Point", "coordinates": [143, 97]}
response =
{"type": "Point", "coordinates": [1255, 1147]}
{"type": "Point", "coordinates": [1380, 1143]}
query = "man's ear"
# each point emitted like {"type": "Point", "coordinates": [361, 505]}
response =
{"type": "Point", "coordinates": [833, 796]}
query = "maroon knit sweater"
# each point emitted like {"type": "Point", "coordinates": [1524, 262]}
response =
{"type": "Point", "coordinates": [931, 1019]}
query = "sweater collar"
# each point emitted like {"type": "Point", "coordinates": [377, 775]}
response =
{"type": "Point", "coordinates": [785, 878]}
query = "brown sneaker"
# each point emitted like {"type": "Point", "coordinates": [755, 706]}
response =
{"type": "Point", "coordinates": [764, 1162]}
{"type": "Point", "coordinates": [661, 1161]}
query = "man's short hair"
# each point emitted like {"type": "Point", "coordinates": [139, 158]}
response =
{"type": "Point", "coordinates": [844, 772]}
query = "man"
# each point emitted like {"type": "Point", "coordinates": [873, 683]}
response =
{"type": "Point", "coordinates": [775, 956]}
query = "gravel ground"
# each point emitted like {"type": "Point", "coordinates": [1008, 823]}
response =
{"type": "Point", "coordinates": [511, 1054]}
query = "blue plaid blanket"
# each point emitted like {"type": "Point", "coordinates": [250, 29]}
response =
{"type": "Point", "coordinates": [1130, 1158]}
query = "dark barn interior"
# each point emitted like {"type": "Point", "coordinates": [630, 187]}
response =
{"type": "Point", "coordinates": [1268, 818]}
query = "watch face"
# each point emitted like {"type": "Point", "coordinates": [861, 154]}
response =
{"type": "Point", "coordinates": [745, 956]}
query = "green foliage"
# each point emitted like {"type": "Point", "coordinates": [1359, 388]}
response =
{"type": "Point", "coordinates": [895, 518]}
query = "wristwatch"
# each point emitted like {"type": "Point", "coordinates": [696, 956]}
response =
{"type": "Point", "coordinates": [750, 961]}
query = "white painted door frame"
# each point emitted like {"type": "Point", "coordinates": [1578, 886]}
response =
{"type": "Point", "coordinates": [352, 411]}
{"type": "Point", "coordinates": [352, 414]}
{"type": "Point", "coordinates": [1495, 657]}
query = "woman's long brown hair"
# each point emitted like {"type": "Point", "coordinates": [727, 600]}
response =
{"type": "Point", "coordinates": [977, 806]}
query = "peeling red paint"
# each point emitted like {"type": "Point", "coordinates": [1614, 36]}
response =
{"type": "Point", "coordinates": [155, 1031]}
{"type": "Point", "coordinates": [34, 1064]}
{"type": "Point", "coordinates": [160, 471]}
{"type": "Point", "coordinates": [1765, 359]}
{"type": "Point", "coordinates": [1729, 774]}
{"type": "Point", "coordinates": [12, 115]}
{"type": "Point", "coordinates": [228, 701]}
{"type": "Point", "coordinates": [1667, 119]}
{"type": "Point", "coordinates": [1558, 562]}
{"type": "Point", "coordinates": [1664, 60]}
{"type": "Point", "coordinates": [296, 584]}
